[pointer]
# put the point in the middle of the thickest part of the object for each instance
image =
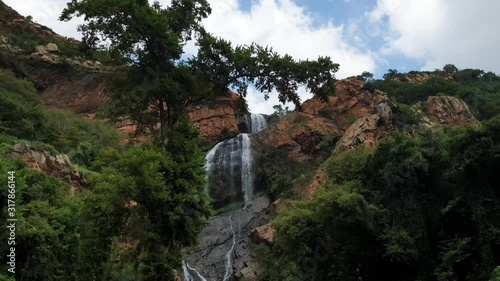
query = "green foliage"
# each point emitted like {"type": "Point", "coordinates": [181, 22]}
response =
{"type": "Point", "coordinates": [405, 117]}
{"type": "Point", "coordinates": [158, 88]}
{"type": "Point", "coordinates": [450, 69]}
{"type": "Point", "coordinates": [365, 76]}
{"type": "Point", "coordinates": [391, 74]}
{"type": "Point", "coordinates": [349, 120]}
{"type": "Point", "coordinates": [21, 114]}
{"type": "Point", "coordinates": [413, 209]}
{"type": "Point", "coordinates": [327, 113]}
{"type": "Point", "coordinates": [227, 66]}
{"type": "Point", "coordinates": [67, 132]}
{"type": "Point", "coordinates": [327, 145]}
{"type": "Point", "coordinates": [269, 262]}
{"type": "Point", "coordinates": [279, 110]}
{"type": "Point", "coordinates": [277, 179]}
{"type": "Point", "coordinates": [337, 226]}
{"type": "Point", "coordinates": [348, 166]}
{"type": "Point", "coordinates": [480, 90]}
{"type": "Point", "coordinates": [495, 275]}
{"type": "Point", "coordinates": [169, 206]}
{"type": "Point", "coordinates": [47, 239]}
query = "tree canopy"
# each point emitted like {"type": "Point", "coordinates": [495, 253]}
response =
{"type": "Point", "coordinates": [159, 86]}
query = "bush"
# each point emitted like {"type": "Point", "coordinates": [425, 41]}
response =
{"type": "Point", "coordinates": [66, 132]}
{"type": "Point", "coordinates": [21, 115]}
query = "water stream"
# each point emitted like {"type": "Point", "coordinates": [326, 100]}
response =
{"type": "Point", "coordinates": [229, 264]}
{"type": "Point", "coordinates": [229, 166]}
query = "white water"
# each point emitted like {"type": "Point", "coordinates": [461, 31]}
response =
{"type": "Point", "coordinates": [187, 275]}
{"type": "Point", "coordinates": [229, 264]}
{"type": "Point", "coordinates": [246, 168]}
{"type": "Point", "coordinates": [228, 157]}
{"type": "Point", "coordinates": [258, 124]}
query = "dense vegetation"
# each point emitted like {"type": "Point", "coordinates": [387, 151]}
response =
{"type": "Point", "coordinates": [424, 208]}
{"type": "Point", "coordinates": [139, 206]}
{"type": "Point", "coordinates": [413, 209]}
{"type": "Point", "coordinates": [479, 89]}
{"type": "Point", "coordinates": [137, 202]}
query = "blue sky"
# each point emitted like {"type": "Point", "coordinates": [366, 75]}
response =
{"type": "Point", "coordinates": [361, 35]}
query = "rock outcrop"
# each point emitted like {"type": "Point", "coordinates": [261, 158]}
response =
{"type": "Point", "coordinates": [436, 111]}
{"type": "Point", "coordinates": [364, 114]}
{"type": "Point", "coordinates": [446, 111]}
{"type": "Point", "coordinates": [58, 166]}
{"type": "Point", "coordinates": [367, 130]}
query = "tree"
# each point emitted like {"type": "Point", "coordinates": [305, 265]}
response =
{"type": "Point", "coordinates": [365, 76]}
{"type": "Point", "coordinates": [391, 74]}
{"type": "Point", "coordinates": [155, 199]}
{"type": "Point", "coordinates": [157, 88]}
{"type": "Point", "coordinates": [279, 110]}
{"type": "Point", "coordinates": [450, 69]}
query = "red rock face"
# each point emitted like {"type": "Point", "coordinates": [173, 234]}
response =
{"type": "Point", "coordinates": [301, 133]}
{"type": "Point", "coordinates": [217, 119]}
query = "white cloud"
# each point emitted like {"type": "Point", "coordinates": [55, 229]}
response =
{"type": "Point", "coordinates": [288, 28]}
{"type": "Point", "coordinates": [47, 12]}
{"type": "Point", "coordinates": [442, 31]}
{"type": "Point", "coordinates": [281, 24]}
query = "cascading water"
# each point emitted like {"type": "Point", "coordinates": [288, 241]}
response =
{"type": "Point", "coordinates": [246, 169]}
{"type": "Point", "coordinates": [258, 124]}
{"type": "Point", "coordinates": [187, 275]}
{"type": "Point", "coordinates": [229, 166]}
{"type": "Point", "coordinates": [229, 265]}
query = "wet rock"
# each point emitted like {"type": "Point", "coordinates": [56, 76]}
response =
{"type": "Point", "coordinates": [210, 257]}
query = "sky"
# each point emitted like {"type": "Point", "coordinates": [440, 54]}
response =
{"type": "Point", "coordinates": [360, 35]}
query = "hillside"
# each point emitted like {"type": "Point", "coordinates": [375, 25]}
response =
{"type": "Point", "coordinates": [114, 173]}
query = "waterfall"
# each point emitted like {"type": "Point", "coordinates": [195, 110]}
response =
{"type": "Point", "coordinates": [255, 123]}
{"type": "Point", "coordinates": [229, 166]}
{"type": "Point", "coordinates": [246, 169]}
{"type": "Point", "coordinates": [229, 265]}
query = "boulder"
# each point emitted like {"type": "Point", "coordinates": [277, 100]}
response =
{"type": "Point", "coordinates": [248, 274]}
{"type": "Point", "coordinates": [52, 48]}
{"type": "Point", "coordinates": [264, 234]}
{"type": "Point", "coordinates": [4, 39]}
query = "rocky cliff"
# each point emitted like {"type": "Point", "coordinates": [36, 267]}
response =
{"type": "Point", "coordinates": [364, 114]}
